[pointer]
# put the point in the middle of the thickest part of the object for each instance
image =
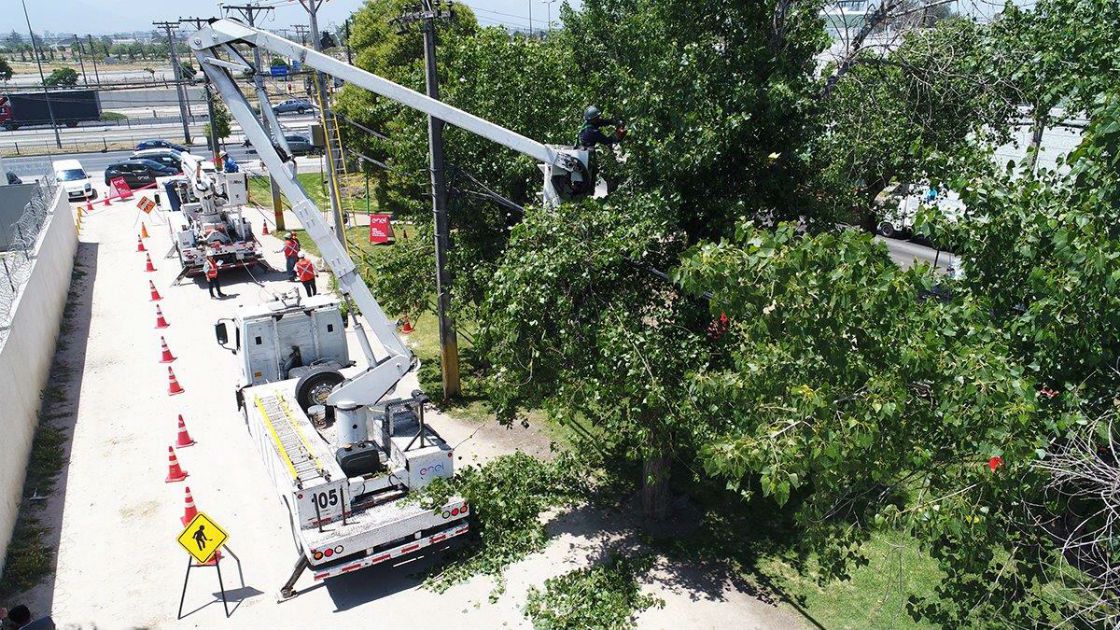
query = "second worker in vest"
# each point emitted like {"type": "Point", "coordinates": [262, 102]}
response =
{"type": "Point", "coordinates": [305, 271]}
{"type": "Point", "coordinates": [291, 254]}
{"type": "Point", "coordinates": [212, 281]}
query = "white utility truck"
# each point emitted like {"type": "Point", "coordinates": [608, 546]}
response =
{"type": "Point", "coordinates": [343, 450]}
{"type": "Point", "coordinates": [210, 221]}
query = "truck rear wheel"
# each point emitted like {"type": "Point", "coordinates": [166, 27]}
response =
{"type": "Point", "coordinates": [315, 386]}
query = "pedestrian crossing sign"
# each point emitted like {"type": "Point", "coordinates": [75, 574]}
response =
{"type": "Point", "coordinates": [202, 537]}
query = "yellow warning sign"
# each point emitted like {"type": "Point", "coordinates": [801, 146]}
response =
{"type": "Point", "coordinates": [202, 537]}
{"type": "Point", "coordinates": [147, 205]}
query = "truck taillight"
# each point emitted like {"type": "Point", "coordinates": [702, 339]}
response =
{"type": "Point", "coordinates": [454, 511]}
{"type": "Point", "coordinates": [318, 555]}
{"type": "Point", "coordinates": [328, 552]}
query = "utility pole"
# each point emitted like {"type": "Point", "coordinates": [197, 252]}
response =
{"type": "Point", "coordinates": [43, 78]}
{"type": "Point", "coordinates": [301, 30]}
{"type": "Point", "coordinates": [215, 143]}
{"type": "Point", "coordinates": [177, 71]}
{"type": "Point", "coordinates": [249, 12]}
{"type": "Point", "coordinates": [82, 62]}
{"type": "Point", "coordinates": [349, 51]}
{"type": "Point", "coordinates": [93, 50]}
{"type": "Point", "coordinates": [548, 3]}
{"type": "Point", "coordinates": [312, 7]}
{"type": "Point", "coordinates": [429, 12]}
{"type": "Point", "coordinates": [530, 19]}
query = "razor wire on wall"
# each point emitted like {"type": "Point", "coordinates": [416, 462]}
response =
{"type": "Point", "coordinates": [17, 260]}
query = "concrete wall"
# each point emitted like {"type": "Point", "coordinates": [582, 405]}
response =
{"type": "Point", "coordinates": [13, 200]}
{"type": "Point", "coordinates": [155, 97]}
{"type": "Point", "coordinates": [25, 358]}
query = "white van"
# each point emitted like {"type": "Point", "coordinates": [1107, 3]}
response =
{"type": "Point", "coordinates": [74, 179]}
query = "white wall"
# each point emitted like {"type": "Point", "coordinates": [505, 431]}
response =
{"type": "Point", "coordinates": [25, 358]}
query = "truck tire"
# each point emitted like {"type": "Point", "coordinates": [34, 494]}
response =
{"type": "Point", "coordinates": [11, 126]}
{"type": "Point", "coordinates": [71, 123]}
{"type": "Point", "coordinates": [887, 229]}
{"type": "Point", "coordinates": [314, 387]}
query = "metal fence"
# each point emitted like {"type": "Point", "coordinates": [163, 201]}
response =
{"type": "Point", "coordinates": [16, 262]}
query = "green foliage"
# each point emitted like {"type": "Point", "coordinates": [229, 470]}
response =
{"type": "Point", "coordinates": [113, 117]}
{"type": "Point", "coordinates": [62, 77]}
{"type": "Point", "coordinates": [402, 276]}
{"type": "Point", "coordinates": [220, 124]}
{"type": "Point", "coordinates": [29, 558]}
{"type": "Point", "coordinates": [507, 497]}
{"type": "Point", "coordinates": [935, 105]}
{"type": "Point", "coordinates": [6, 71]}
{"type": "Point", "coordinates": [606, 596]}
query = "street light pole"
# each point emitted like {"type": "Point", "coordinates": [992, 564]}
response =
{"type": "Point", "coordinates": [43, 78]}
{"type": "Point", "coordinates": [548, 4]}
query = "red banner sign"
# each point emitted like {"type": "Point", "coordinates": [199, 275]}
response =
{"type": "Point", "coordinates": [120, 188]}
{"type": "Point", "coordinates": [380, 230]}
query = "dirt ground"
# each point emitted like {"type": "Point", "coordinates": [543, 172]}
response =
{"type": "Point", "coordinates": [114, 520]}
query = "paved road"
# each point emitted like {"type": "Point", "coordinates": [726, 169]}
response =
{"type": "Point", "coordinates": [43, 138]}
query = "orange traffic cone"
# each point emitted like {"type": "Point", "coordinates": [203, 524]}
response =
{"type": "Point", "coordinates": [189, 510]}
{"type": "Point", "coordinates": [108, 195]}
{"type": "Point", "coordinates": [140, 244]}
{"type": "Point", "coordinates": [173, 387]}
{"type": "Point", "coordinates": [174, 471]}
{"type": "Point", "coordinates": [160, 321]}
{"type": "Point", "coordinates": [155, 294]}
{"type": "Point", "coordinates": [264, 230]}
{"type": "Point", "coordinates": [167, 356]}
{"type": "Point", "coordinates": [144, 230]}
{"type": "Point", "coordinates": [148, 265]}
{"type": "Point", "coordinates": [89, 205]}
{"type": "Point", "coordinates": [184, 439]}
{"type": "Point", "coordinates": [406, 327]}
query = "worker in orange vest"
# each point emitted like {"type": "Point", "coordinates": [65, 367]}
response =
{"type": "Point", "coordinates": [291, 254]}
{"type": "Point", "coordinates": [306, 273]}
{"type": "Point", "coordinates": [212, 282]}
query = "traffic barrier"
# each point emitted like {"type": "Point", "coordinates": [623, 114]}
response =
{"type": "Point", "coordinates": [189, 510]}
{"type": "Point", "coordinates": [155, 294]}
{"type": "Point", "coordinates": [148, 266]}
{"type": "Point", "coordinates": [139, 241]}
{"type": "Point", "coordinates": [144, 230]}
{"type": "Point", "coordinates": [167, 356]}
{"type": "Point", "coordinates": [173, 387]}
{"type": "Point", "coordinates": [175, 472]}
{"type": "Point", "coordinates": [160, 321]}
{"type": "Point", "coordinates": [183, 440]}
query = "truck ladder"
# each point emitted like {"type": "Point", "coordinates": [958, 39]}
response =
{"type": "Point", "coordinates": [291, 443]}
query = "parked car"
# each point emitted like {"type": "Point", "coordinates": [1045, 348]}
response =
{"type": "Point", "coordinates": [160, 144]}
{"type": "Point", "coordinates": [167, 157]}
{"type": "Point", "coordinates": [300, 145]}
{"type": "Point", "coordinates": [138, 173]}
{"type": "Point", "coordinates": [298, 105]}
{"type": "Point", "coordinates": [74, 180]}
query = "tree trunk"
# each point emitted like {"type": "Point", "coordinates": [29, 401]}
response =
{"type": "Point", "coordinates": [1037, 128]}
{"type": "Point", "coordinates": [655, 484]}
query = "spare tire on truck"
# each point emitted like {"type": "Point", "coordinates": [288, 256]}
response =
{"type": "Point", "coordinates": [314, 387]}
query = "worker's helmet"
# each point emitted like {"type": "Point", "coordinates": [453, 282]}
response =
{"type": "Point", "coordinates": [302, 255]}
{"type": "Point", "coordinates": [591, 113]}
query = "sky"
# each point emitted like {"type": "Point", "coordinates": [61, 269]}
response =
{"type": "Point", "coordinates": [107, 16]}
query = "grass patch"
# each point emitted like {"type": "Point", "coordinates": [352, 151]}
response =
{"type": "Point", "coordinates": [315, 185]}
{"type": "Point", "coordinates": [874, 597]}
{"type": "Point", "coordinates": [29, 558]}
{"type": "Point", "coordinates": [601, 597]}
{"type": "Point", "coordinates": [113, 117]}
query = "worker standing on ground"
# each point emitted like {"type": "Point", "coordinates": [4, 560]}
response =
{"type": "Point", "coordinates": [212, 281]}
{"type": "Point", "coordinates": [590, 134]}
{"type": "Point", "coordinates": [291, 254]}
{"type": "Point", "coordinates": [306, 272]}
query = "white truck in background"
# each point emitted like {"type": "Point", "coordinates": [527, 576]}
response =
{"type": "Point", "coordinates": [210, 221]}
{"type": "Point", "coordinates": [342, 450]}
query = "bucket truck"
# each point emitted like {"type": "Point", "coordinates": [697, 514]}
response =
{"type": "Point", "coordinates": [210, 221]}
{"type": "Point", "coordinates": [343, 449]}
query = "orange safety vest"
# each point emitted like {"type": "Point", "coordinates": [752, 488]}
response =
{"type": "Point", "coordinates": [211, 269]}
{"type": "Point", "coordinates": [306, 270]}
{"type": "Point", "coordinates": [291, 248]}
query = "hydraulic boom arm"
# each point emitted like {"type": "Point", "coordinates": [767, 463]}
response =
{"type": "Point", "coordinates": [565, 171]}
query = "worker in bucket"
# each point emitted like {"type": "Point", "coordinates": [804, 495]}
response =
{"type": "Point", "coordinates": [212, 281]}
{"type": "Point", "coordinates": [306, 272]}
{"type": "Point", "coordinates": [590, 134]}
{"type": "Point", "coordinates": [227, 163]}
